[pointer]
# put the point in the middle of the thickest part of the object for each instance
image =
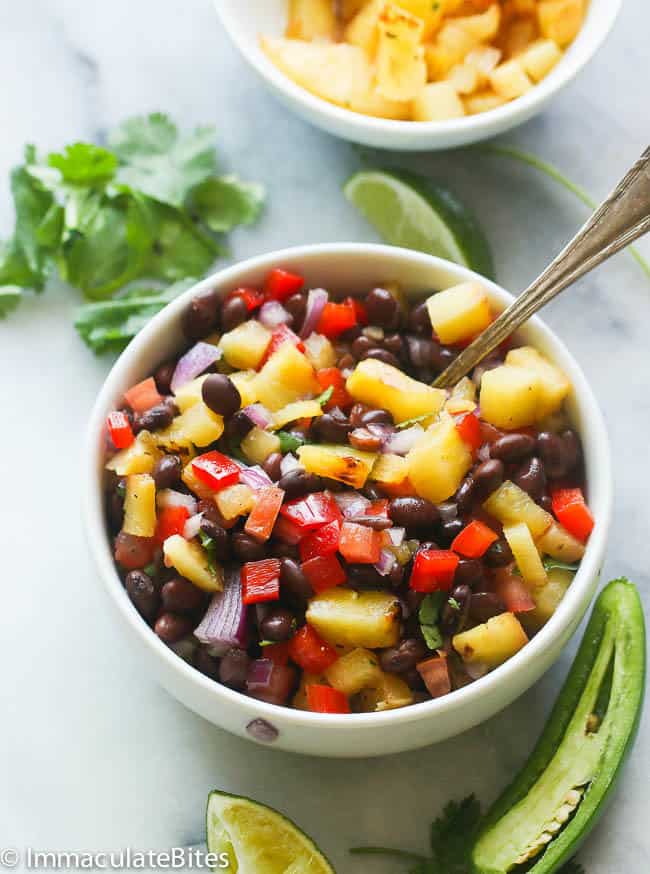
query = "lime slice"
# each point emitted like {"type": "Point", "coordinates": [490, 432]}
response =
{"type": "Point", "coordinates": [258, 840]}
{"type": "Point", "coordinates": [413, 212]}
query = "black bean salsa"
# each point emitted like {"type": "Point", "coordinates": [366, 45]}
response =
{"type": "Point", "coordinates": [299, 514]}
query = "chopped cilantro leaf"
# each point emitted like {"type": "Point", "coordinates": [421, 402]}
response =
{"type": "Point", "coordinates": [323, 398]}
{"type": "Point", "coordinates": [288, 442]}
{"type": "Point", "coordinates": [428, 616]}
{"type": "Point", "coordinates": [414, 421]}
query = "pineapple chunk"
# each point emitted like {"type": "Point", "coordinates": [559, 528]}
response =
{"type": "Point", "coordinates": [525, 553]}
{"type": "Point", "coordinates": [197, 426]}
{"type": "Point", "coordinates": [257, 445]}
{"type": "Point", "coordinates": [430, 11]}
{"type": "Point", "coordinates": [547, 598]}
{"type": "Point", "coordinates": [191, 561]}
{"type": "Point", "coordinates": [462, 398]}
{"type": "Point", "coordinates": [449, 48]}
{"type": "Point", "coordinates": [510, 396]}
{"type": "Point", "coordinates": [464, 79]}
{"type": "Point", "coordinates": [460, 312]}
{"type": "Point", "coordinates": [492, 643]}
{"type": "Point", "coordinates": [390, 469]}
{"type": "Point", "coordinates": [439, 461]}
{"type": "Point", "coordinates": [560, 20]}
{"type": "Point", "coordinates": [558, 543]}
{"type": "Point", "coordinates": [483, 101]}
{"type": "Point", "coordinates": [342, 463]}
{"type": "Point", "coordinates": [195, 485]}
{"type": "Point", "coordinates": [363, 29]}
{"type": "Point", "coordinates": [380, 385]}
{"type": "Point", "coordinates": [401, 68]}
{"type": "Point", "coordinates": [518, 35]}
{"type": "Point", "coordinates": [354, 671]}
{"type": "Point", "coordinates": [483, 59]}
{"type": "Point", "coordinates": [311, 20]}
{"type": "Point", "coordinates": [437, 101]}
{"type": "Point", "coordinates": [510, 505]}
{"type": "Point", "coordinates": [295, 411]}
{"type": "Point", "coordinates": [349, 8]}
{"type": "Point", "coordinates": [140, 505]}
{"type": "Point", "coordinates": [245, 345]}
{"type": "Point", "coordinates": [189, 393]}
{"type": "Point", "coordinates": [367, 619]}
{"type": "Point", "coordinates": [244, 382]}
{"type": "Point", "coordinates": [483, 27]}
{"type": "Point", "coordinates": [510, 80]}
{"type": "Point", "coordinates": [233, 501]}
{"type": "Point", "coordinates": [539, 58]}
{"type": "Point", "coordinates": [320, 351]}
{"type": "Point", "coordinates": [554, 385]}
{"type": "Point", "coordinates": [286, 377]}
{"type": "Point", "coordinates": [140, 457]}
{"type": "Point", "coordinates": [389, 693]}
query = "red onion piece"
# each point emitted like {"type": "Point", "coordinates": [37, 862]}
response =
{"type": "Point", "coordinates": [351, 503]}
{"type": "Point", "coordinates": [316, 300]}
{"type": "Point", "coordinates": [254, 477]}
{"type": "Point", "coordinates": [435, 673]}
{"type": "Point", "coordinates": [476, 670]}
{"type": "Point", "coordinates": [386, 562]}
{"type": "Point", "coordinates": [259, 415]}
{"type": "Point", "coordinates": [270, 682]}
{"type": "Point", "coordinates": [192, 526]}
{"type": "Point", "coordinates": [403, 441]}
{"type": "Point", "coordinates": [289, 462]}
{"type": "Point", "coordinates": [396, 536]}
{"type": "Point", "coordinates": [194, 363]}
{"type": "Point", "coordinates": [171, 498]}
{"type": "Point", "coordinates": [224, 624]}
{"type": "Point", "coordinates": [272, 314]}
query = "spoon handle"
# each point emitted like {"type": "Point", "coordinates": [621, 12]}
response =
{"type": "Point", "coordinates": [618, 221]}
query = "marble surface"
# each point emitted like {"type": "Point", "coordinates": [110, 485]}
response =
{"type": "Point", "coordinates": [92, 754]}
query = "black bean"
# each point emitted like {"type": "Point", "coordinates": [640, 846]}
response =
{"type": "Point", "coordinates": [573, 446]}
{"type": "Point", "coordinates": [170, 627]}
{"type": "Point", "coordinates": [488, 476]}
{"type": "Point", "coordinates": [280, 549]}
{"type": "Point", "coordinates": [246, 548]}
{"type": "Point", "coordinates": [201, 314]}
{"type": "Point", "coordinates": [382, 308]}
{"type": "Point", "coordinates": [220, 540]}
{"type": "Point", "coordinates": [512, 447]}
{"type": "Point", "coordinates": [485, 605]}
{"type": "Point", "coordinates": [361, 346]}
{"type": "Point", "coordinates": [451, 528]}
{"type": "Point", "coordinates": [364, 576]}
{"type": "Point", "coordinates": [376, 417]}
{"type": "Point", "coordinates": [372, 493]}
{"type": "Point", "coordinates": [559, 453]}
{"type": "Point", "coordinates": [412, 512]}
{"type": "Point", "coordinates": [154, 419]}
{"type": "Point", "coordinates": [361, 438]}
{"type": "Point", "coordinates": [115, 511]}
{"type": "Point", "coordinates": [396, 575]}
{"type": "Point", "coordinates": [483, 367]}
{"type": "Point", "coordinates": [442, 356]}
{"type": "Point", "coordinates": [383, 355]}
{"type": "Point", "coordinates": [546, 503]}
{"type": "Point", "coordinates": [349, 335]}
{"type": "Point", "coordinates": [419, 321]}
{"type": "Point", "coordinates": [238, 426]}
{"type": "Point", "coordinates": [403, 657]}
{"type": "Point", "coordinates": [498, 554]}
{"type": "Point", "coordinates": [298, 482]}
{"type": "Point", "coordinates": [393, 343]}
{"type": "Point", "coordinates": [272, 466]}
{"type": "Point", "coordinates": [356, 414]}
{"type": "Point", "coordinates": [278, 625]}
{"type": "Point", "coordinates": [167, 471]}
{"type": "Point", "coordinates": [143, 594]}
{"type": "Point", "coordinates": [180, 596]}
{"type": "Point", "coordinates": [220, 394]}
{"type": "Point", "coordinates": [233, 668]}
{"type": "Point", "coordinates": [207, 664]}
{"type": "Point", "coordinates": [465, 494]}
{"type": "Point", "coordinates": [531, 478]}
{"type": "Point", "coordinates": [332, 427]}
{"type": "Point", "coordinates": [455, 611]}
{"type": "Point", "coordinates": [163, 377]}
{"type": "Point", "coordinates": [233, 313]}
{"type": "Point", "coordinates": [346, 361]}
{"type": "Point", "coordinates": [297, 306]}
{"type": "Point", "coordinates": [469, 572]}
{"type": "Point", "coordinates": [294, 584]}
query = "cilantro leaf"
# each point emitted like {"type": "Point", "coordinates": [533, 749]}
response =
{"type": "Point", "coordinates": [108, 326]}
{"type": "Point", "coordinates": [555, 563]}
{"type": "Point", "coordinates": [84, 164]}
{"type": "Point", "coordinates": [159, 162]}
{"type": "Point", "coordinates": [210, 547]}
{"type": "Point", "coordinates": [288, 442]}
{"type": "Point", "coordinates": [32, 204]}
{"type": "Point", "coordinates": [414, 421]}
{"type": "Point", "coordinates": [451, 834]}
{"type": "Point", "coordinates": [9, 299]}
{"type": "Point", "coordinates": [428, 615]}
{"type": "Point", "coordinates": [223, 202]}
{"type": "Point", "coordinates": [180, 247]}
{"type": "Point", "coordinates": [323, 398]}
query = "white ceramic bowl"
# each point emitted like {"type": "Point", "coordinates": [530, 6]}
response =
{"type": "Point", "coordinates": [348, 267]}
{"type": "Point", "coordinates": [245, 21]}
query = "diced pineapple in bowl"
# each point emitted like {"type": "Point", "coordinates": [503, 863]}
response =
{"type": "Point", "coordinates": [258, 523]}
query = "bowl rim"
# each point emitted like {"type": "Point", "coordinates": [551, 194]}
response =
{"type": "Point", "coordinates": [99, 542]}
{"type": "Point", "coordinates": [483, 124]}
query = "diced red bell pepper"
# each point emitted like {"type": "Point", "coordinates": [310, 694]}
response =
{"type": "Point", "coordinates": [263, 515]}
{"type": "Point", "coordinates": [331, 377]}
{"type": "Point", "coordinates": [260, 580]}
{"type": "Point", "coordinates": [171, 520]}
{"type": "Point", "coordinates": [312, 511]}
{"type": "Point", "coordinates": [143, 396]}
{"type": "Point", "coordinates": [281, 335]}
{"type": "Point", "coordinates": [134, 552]}
{"type": "Point", "coordinates": [281, 284]}
{"type": "Point", "coordinates": [433, 570]}
{"type": "Point", "coordinates": [377, 508]}
{"type": "Point", "coordinates": [215, 470]}
{"type": "Point", "coordinates": [287, 531]}
{"type": "Point", "coordinates": [323, 572]}
{"type": "Point", "coordinates": [360, 544]}
{"type": "Point", "coordinates": [251, 297]}
{"type": "Point", "coordinates": [278, 653]}
{"type": "Point", "coordinates": [571, 511]}
{"type": "Point", "coordinates": [474, 540]}
{"type": "Point", "coordinates": [360, 310]}
{"type": "Point", "coordinates": [336, 318]}
{"type": "Point", "coordinates": [325, 699]}
{"type": "Point", "coordinates": [119, 429]}
{"type": "Point", "coordinates": [321, 541]}
{"type": "Point", "coordinates": [469, 428]}
{"type": "Point", "coordinates": [310, 652]}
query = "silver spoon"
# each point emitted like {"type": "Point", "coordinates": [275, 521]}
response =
{"type": "Point", "coordinates": [619, 220]}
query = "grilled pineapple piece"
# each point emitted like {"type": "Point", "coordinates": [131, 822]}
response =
{"type": "Point", "coordinates": [286, 377]}
{"type": "Point", "coordinates": [558, 543]}
{"type": "Point", "coordinates": [191, 561]}
{"type": "Point", "coordinates": [390, 469]}
{"type": "Point", "coordinates": [244, 382]}
{"type": "Point", "coordinates": [389, 693]}
{"type": "Point", "coordinates": [553, 384]}
{"type": "Point", "coordinates": [257, 445]}
{"type": "Point", "coordinates": [319, 351]}
{"type": "Point", "coordinates": [460, 312]}
{"type": "Point", "coordinates": [380, 385]}
{"type": "Point", "coordinates": [401, 68]}
{"type": "Point", "coordinates": [510, 396]}
{"type": "Point", "coordinates": [547, 598]}
{"type": "Point", "coordinates": [510, 505]}
{"type": "Point", "coordinates": [295, 411]}
{"type": "Point", "coordinates": [233, 501]}
{"type": "Point", "coordinates": [245, 345]}
{"type": "Point", "coordinates": [189, 393]}
{"type": "Point", "coordinates": [345, 617]}
{"type": "Point", "coordinates": [525, 552]}
{"type": "Point", "coordinates": [140, 457]}
{"type": "Point", "coordinates": [439, 461]}
{"type": "Point", "coordinates": [492, 643]}
{"type": "Point", "coordinates": [342, 463]}
{"type": "Point", "coordinates": [197, 426]}
{"type": "Point", "coordinates": [354, 671]}
{"type": "Point", "coordinates": [311, 20]}
{"type": "Point", "coordinates": [140, 505]}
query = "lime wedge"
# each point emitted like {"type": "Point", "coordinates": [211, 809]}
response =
{"type": "Point", "coordinates": [258, 840]}
{"type": "Point", "coordinates": [411, 211]}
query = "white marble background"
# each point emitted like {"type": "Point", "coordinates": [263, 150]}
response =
{"type": "Point", "coordinates": [92, 754]}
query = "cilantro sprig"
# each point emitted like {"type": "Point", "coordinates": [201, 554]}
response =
{"type": "Point", "coordinates": [428, 616]}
